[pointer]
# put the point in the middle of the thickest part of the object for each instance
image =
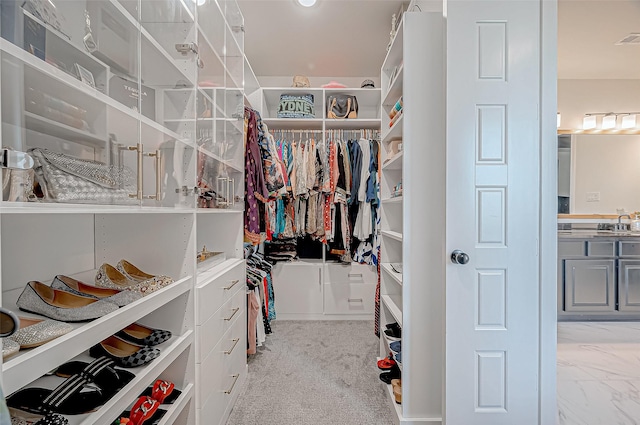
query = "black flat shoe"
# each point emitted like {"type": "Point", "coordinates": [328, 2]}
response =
{"type": "Point", "coordinates": [393, 334]}
{"type": "Point", "coordinates": [394, 373]}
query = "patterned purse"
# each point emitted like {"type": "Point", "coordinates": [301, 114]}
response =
{"type": "Point", "coordinates": [63, 178]}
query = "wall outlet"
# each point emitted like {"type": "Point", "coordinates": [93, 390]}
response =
{"type": "Point", "coordinates": [593, 196]}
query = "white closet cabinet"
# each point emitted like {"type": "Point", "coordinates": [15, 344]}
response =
{"type": "Point", "coordinates": [298, 290]}
{"type": "Point", "coordinates": [153, 88]}
{"type": "Point", "coordinates": [414, 69]}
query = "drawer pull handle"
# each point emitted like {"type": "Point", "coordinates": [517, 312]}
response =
{"type": "Point", "coordinates": [233, 283]}
{"type": "Point", "coordinates": [355, 275]}
{"type": "Point", "coordinates": [354, 300]}
{"type": "Point", "coordinates": [236, 376]}
{"type": "Point", "coordinates": [235, 310]}
{"type": "Point", "coordinates": [235, 342]}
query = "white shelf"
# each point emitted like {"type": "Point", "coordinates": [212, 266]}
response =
{"type": "Point", "coordinates": [395, 89]}
{"type": "Point", "coordinates": [218, 211]}
{"type": "Point", "coordinates": [395, 53]}
{"type": "Point", "coordinates": [396, 407]}
{"type": "Point", "coordinates": [394, 304]}
{"type": "Point", "coordinates": [394, 132]}
{"type": "Point", "coordinates": [218, 158]}
{"type": "Point", "coordinates": [394, 200]}
{"type": "Point", "coordinates": [394, 163]}
{"type": "Point", "coordinates": [294, 123]}
{"type": "Point", "coordinates": [352, 124]}
{"type": "Point", "coordinates": [393, 235]}
{"type": "Point", "coordinates": [207, 275]}
{"type": "Point", "coordinates": [62, 208]}
{"type": "Point", "coordinates": [62, 131]}
{"type": "Point", "coordinates": [30, 364]}
{"type": "Point", "coordinates": [396, 276]}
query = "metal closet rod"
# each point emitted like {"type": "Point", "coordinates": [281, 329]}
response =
{"type": "Point", "coordinates": [365, 132]}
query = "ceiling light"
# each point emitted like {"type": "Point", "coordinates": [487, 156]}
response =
{"type": "Point", "coordinates": [589, 122]}
{"type": "Point", "coordinates": [609, 122]}
{"type": "Point", "coordinates": [306, 3]}
{"type": "Point", "coordinates": [199, 2]}
{"type": "Point", "coordinates": [628, 122]}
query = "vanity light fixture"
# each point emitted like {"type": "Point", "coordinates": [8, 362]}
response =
{"type": "Point", "coordinates": [609, 121]}
{"type": "Point", "coordinates": [628, 122]}
{"type": "Point", "coordinates": [306, 3]}
{"type": "Point", "coordinates": [589, 122]}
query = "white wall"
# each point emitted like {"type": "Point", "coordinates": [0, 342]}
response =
{"type": "Point", "coordinates": [610, 166]}
{"type": "Point", "coordinates": [578, 97]}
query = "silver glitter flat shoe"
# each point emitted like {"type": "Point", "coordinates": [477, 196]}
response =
{"type": "Point", "coordinates": [110, 277]}
{"type": "Point", "coordinates": [9, 348]}
{"type": "Point", "coordinates": [115, 296]}
{"type": "Point", "coordinates": [60, 305]}
{"type": "Point", "coordinates": [134, 273]}
{"type": "Point", "coordinates": [35, 332]}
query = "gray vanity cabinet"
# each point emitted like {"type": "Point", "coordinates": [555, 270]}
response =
{"type": "Point", "coordinates": [629, 285]}
{"type": "Point", "coordinates": [589, 285]}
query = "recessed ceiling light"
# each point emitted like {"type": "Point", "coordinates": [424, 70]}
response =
{"type": "Point", "coordinates": [306, 3]}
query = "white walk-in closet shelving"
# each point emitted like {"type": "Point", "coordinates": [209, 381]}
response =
{"type": "Point", "coordinates": [156, 87]}
{"type": "Point", "coordinates": [413, 70]}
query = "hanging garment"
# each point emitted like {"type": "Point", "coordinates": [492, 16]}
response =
{"type": "Point", "coordinates": [253, 309]}
{"type": "Point", "coordinates": [255, 188]}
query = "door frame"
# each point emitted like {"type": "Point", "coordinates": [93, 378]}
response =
{"type": "Point", "coordinates": [548, 255]}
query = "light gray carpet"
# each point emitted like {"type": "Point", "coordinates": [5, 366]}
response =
{"type": "Point", "coordinates": [315, 373]}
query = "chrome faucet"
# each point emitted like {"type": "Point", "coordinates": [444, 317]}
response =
{"type": "Point", "coordinates": [622, 227]}
{"type": "Point", "coordinates": [623, 215]}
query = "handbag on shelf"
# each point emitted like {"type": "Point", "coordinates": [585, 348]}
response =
{"type": "Point", "coordinates": [296, 106]}
{"type": "Point", "coordinates": [341, 106]}
{"type": "Point", "coordinates": [64, 178]}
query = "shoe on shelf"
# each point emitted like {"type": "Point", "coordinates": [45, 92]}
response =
{"type": "Point", "coordinates": [9, 348]}
{"type": "Point", "coordinates": [110, 277]}
{"type": "Point", "coordinates": [134, 273]}
{"type": "Point", "coordinates": [60, 305]}
{"type": "Point", "coordinates": [164, 392]}
{"type": "Point", "coordinates": [115, 296]}
{"type": "Point", "coordinates": [396, 384]}
{"type": "Point", "coordinates": [396, 346]}
{"type": "Point", "coordinates": [145, 411]}
{"type": "Point", "coordinates": [142, 335]}
{"type": "Point", "coordinates": [394, 334]}
{"type": "Point", "coordinates": [125, 354]}
{"type": "Point", "coordinates": [393, 373]}
{"type": "Point", "coordinates": [81, 393]}
{"type": "Point", "coordinates": [35, 332]}
{"type": "Point", "coordinates": [399, 357]}
{"type": "Point", "coordinates": [9, 322]}
{"type": "Point", "coordinates": [19, 417]}
{"type": "Point", "coordinates": [393, 325]}
{"type": "Point", "coordinates": [386, 364]}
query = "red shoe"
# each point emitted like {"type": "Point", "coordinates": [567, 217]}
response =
{"type": "Point", "coordinates": [386, 363]}
{"type": "Point", "coordinates": [143, 410]}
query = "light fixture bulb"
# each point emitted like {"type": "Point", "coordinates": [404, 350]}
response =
{"type": "Point", "coordinates": [609, 122]}
{"type": "Point", "coordinates": [628, 122]}
{"type": "Point", "coordinates": [199, 2]}
{"type": "Point", "coordinates": [589, 122]}
{"type": "Point", "coordinates": [306, 3]}
{"type": "Point", "coordinates": [558, 120]}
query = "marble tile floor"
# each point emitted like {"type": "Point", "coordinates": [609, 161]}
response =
{"type": "Point", "coordinates": [598, 373]}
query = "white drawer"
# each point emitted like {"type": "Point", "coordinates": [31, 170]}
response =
{"type": "Point", "coordinates": [221, 321]}
{"type": "Point", "coordinates": [354, 298]}
{"type": "Point", "coordinates": [217, 373]}
{"type": "Point", "coordinates": [350, 273]}
{"type": "Point", "coordinates": [212, 295]}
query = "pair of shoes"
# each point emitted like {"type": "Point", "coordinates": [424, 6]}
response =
{"type": "Point", "coordinates": [132, 346]}
{"type": "Point", "coordinates": [126, 276]}
{"type": "Point", "coordinates": [393, 373]}
{"type": "Point", "coordinates": [145, 411]}
{"type": "Point", "coordinates": [394, 333]}
{"type": "Point", "coordinates": [396, 346]}
{"type": "Point", "coordinates": [387, 363]}
{"type": "Point", "coordinates": [87, 387]}
{"type": "Point", "coordinates": [164, 392]}
{"type": "Point", "coordinates": [396, 384]}
{"type": "Point", "coordinates": [118, 297]}
{"type": "Point", "coordinates": [35, 332]}
{"type": "Point", "coordinates": [60, 305]}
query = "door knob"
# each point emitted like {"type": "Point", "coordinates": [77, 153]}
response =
{"type": "Point", "coordinates": [459, 257]}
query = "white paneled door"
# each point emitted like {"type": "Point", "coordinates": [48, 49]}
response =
{"type": "Point", "coordinates": [493, 143]}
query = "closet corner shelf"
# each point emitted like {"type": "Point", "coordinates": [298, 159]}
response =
{"type": "Point", "coordinates": [394, 55]}
{"type": "Point", "coordinates": [29, 365]}
{"type": "Point", "coordinates": [395, 88]}
{"type": "Point", "coordinates": [293, 123]}
{"type": "Point", "coordinates": [394, 163]}
{"type": "Point", "coordinates": [394, 304]}
{"type": "Point", "coordinates": [395, 200]}
{"type": "Point", "coordinates": [396, 407]}
{"type": "Point", "coordinates": [396, 276]}
{"type": "Point", "coordinates": [393, 235]}
{"type": "Point", "coordinates": [144, 376]}
{"type": "Point", "coordinates": [394, 132]}
{"type": "Point", "coordinates": [353, 124]}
